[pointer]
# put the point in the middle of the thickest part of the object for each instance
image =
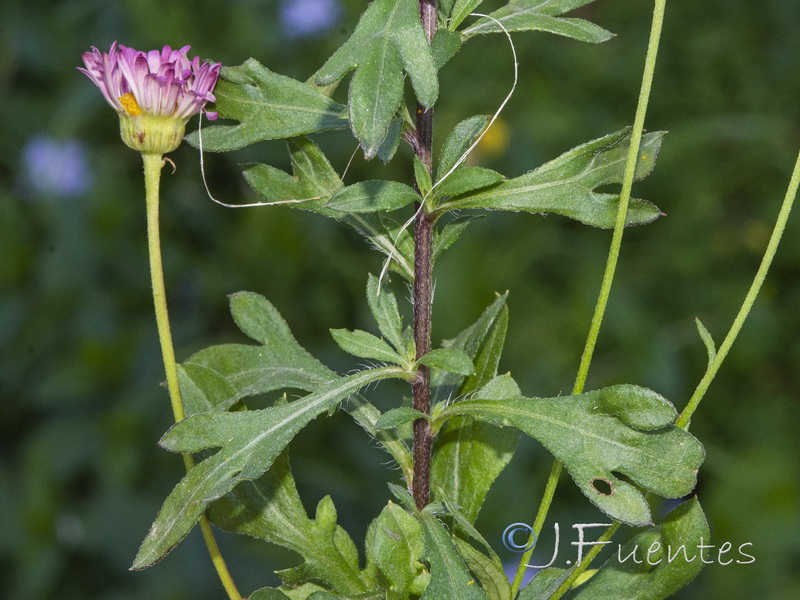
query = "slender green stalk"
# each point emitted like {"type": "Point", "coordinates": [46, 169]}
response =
{"type": "Point", "coordinates": [611, 266]}
{"type": "Point", "coordinates": [750, 298]}
{"type": "Point", "coordinates": [567, 584]}
{"type": "Point", "coordinates": [152, 176]}
{"type": "Point", "coordinates": [684, 420]}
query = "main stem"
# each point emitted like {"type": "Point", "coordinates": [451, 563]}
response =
{"type": "Point", "coordinates": [423, 296]}
{"type": "Point", "coordinates": [152, 176]}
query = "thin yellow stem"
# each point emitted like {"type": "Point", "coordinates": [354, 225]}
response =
{"type": "Point", "coordinates": [152, 176]}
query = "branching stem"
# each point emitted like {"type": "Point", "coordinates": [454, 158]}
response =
{"type": "Point", "coordinates": [152, 176]}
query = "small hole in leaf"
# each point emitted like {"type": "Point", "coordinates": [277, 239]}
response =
{"type": "Point", "coordinates": [602, 486]}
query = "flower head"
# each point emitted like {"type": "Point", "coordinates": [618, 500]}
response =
{"type": "Point", "coordinates": [155, 93]}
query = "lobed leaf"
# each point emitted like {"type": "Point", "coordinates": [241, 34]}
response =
{"type": "Point", "coordinates": [387, 41]}
{"type": "Point", "coordinates": [314, 178]}
{"type": "Point", "coordinates": [250, 441]}
{"type": "Point", "coordinates": [394, 546]}
{"type": "Point", "coordinates": [270, 509]}
{"type": "Point", "coordinates": [470, 454]}
{"type": "Point", "coordinates": [567, 185]}
{"type": "Point", "coordinates": [595, 435]}
{"type": "Point", "coordinates": [541, 15]}
{"type": "Point", "coordinates": [268, 106]}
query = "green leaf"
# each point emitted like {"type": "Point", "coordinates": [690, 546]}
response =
{"type": "Point", "coordinates": [566, 185]}
{"type": "Point", "coordinates": [387, 40]}
{"type": "Point", "coordinates": [466, 180]}
{"type": "Point", "coordinates": [312, 177]}
{"type": "Point", "coordinates": [450, 360]}
{"type": "Point", "coordinates": [394, 545]}
{"type": "Point", "coordinates": [461, 10]}
{"type": "Point", "coordinates": [270, 509]}
{"type": "Point", "coordinates": [280, 363]}
{"type": "Point", "coordinates": [596, 435]}
{"type": "Point", "coordinates": [449, 576]}
{"type": "Point", "coordinates": [250, 441]}
{"type": "Point", "coordinates": [204, 390]}
{"type": "Point", "coordinates": [268, 594]}
{"type": "Point", "coordinates": [383, 306]}
{"type": "Point", "coordinates": [545, 583]}
{"type": "Point", "coordinates": [422, 177]}
{"type": "Point", "coordinates": [391, 142]}
{"type": "Point", "coordinates": [541, 15]}
{"type": "Point", "coordinates": [268, 106]}
{"type": "Point", "coordinates": [389, 237]}
{"type": "Point", "coordinates": [470, 454]}
{"type": "Point", "coordinates": [365, 345]}
{"type": "Point", "coordinates": [396, 417]}
{"type": "Point", "coordinates": [492, 578]}
{"type": "Point", "coordinates": [448, 235]}
{"type": "Point", "coordinates": [674, 561]}
{"type": "Point", "coordinates": [373, 196]}
{"type": "Point", "coordinates": [459, 140]}
{"type": "Point", "coordinates": [708, 341]}
{"type": "Point", "coordinates": [487, 359]}
{"type": "Point", "coordinates": [444, 46]}
{"type": "Point", "coordinates": [469, 341]}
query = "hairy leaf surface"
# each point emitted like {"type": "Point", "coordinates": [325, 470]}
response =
{"type": "Point", "coordinates": [541, 15]}
{"type": "Point", "coordinates": [387, 41]}
{"type": "Point", "coordinates": [567, 185]}
{"type": "Point", "coordinates": [674, 561]}
{"type": "Point", "coordinates": [250, 441]}
{"type": "Point", "coordinates": [621, 430]}
{"type": "Point", "coordinates": [268, 106]}
{"type": "Point", "coordinates": [449, 575]}
{"type": "Point", "coordinates": [270, 509]}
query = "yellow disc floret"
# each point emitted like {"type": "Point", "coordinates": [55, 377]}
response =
{"type": "Point", "coordinates": [128, 101]}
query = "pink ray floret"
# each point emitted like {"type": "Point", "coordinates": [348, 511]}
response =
{"type": "Point", "coordinates": [162, 82]}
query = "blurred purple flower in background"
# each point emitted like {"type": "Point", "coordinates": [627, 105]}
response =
{"type": "Point", "coordinates": [55, 168]}
{"type": "Point", "coordinates": [306, 17]}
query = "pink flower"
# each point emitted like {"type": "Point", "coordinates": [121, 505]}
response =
{"type": "Point", "coordinates": [155, 93]}
{"type": "Point", "coordinates": [161, 82]}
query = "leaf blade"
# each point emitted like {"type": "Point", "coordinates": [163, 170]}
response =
{"type": "Point", "coordinates": [566, 185]}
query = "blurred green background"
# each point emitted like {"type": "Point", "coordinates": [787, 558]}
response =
{"type": "Point", "coordinates": [81, 408]}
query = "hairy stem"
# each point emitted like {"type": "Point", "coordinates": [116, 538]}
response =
{"type": "Point", "coordinates": [152, 176]}
{"type": "Point", "coordinates": [608, 275]}
{"type": "Point", "coordinates": [423, 292]}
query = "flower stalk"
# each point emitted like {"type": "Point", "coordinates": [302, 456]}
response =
{"type": "Point", "coordinates": [153, 163]}
{"type": "Point", "coordinates": [155, 94]}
